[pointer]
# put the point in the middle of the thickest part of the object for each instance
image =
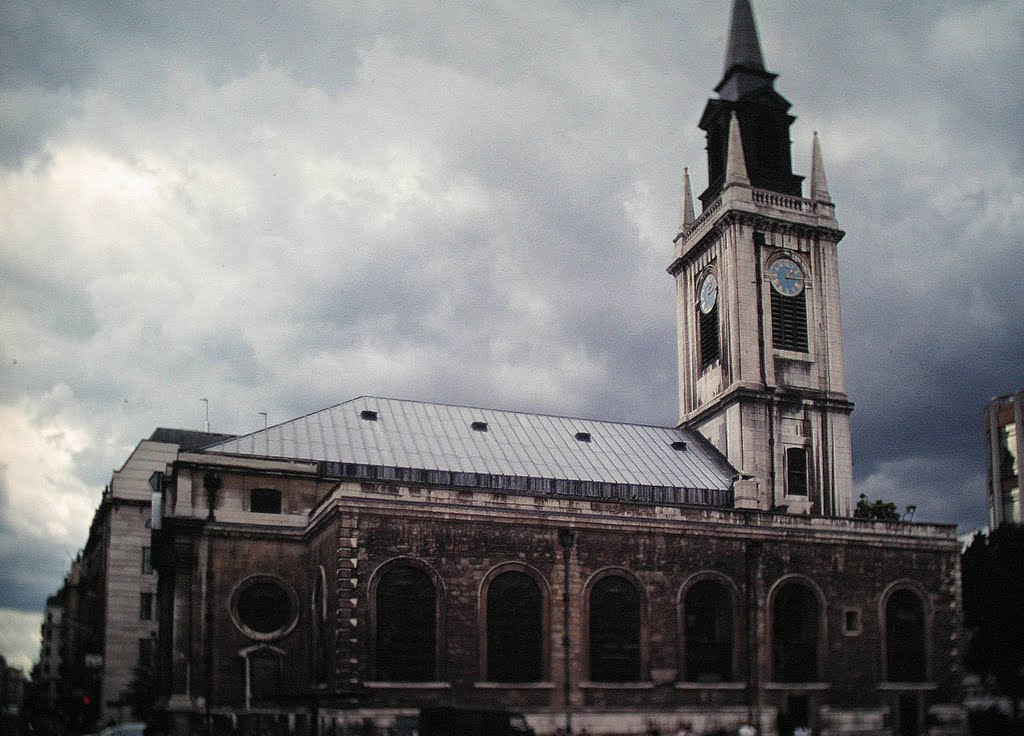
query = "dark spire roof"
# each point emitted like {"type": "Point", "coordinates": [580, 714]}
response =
{"type": "Point", "coordinates": [747, 90]}
{"type": "Point", "coordinates": [744, 47]}
{"type": "Point", "coordinates": [744, 63]}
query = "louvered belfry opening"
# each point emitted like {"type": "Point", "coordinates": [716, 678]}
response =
{"type": "Point", "coordinates": [514, 629]}
{"type": "Point", "coordinates": [710, 347]}
{"type": "Point", "coordinates": [789, 322]}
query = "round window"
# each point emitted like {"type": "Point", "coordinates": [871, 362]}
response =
{"type": "Point", "coordinates": [264, 607]}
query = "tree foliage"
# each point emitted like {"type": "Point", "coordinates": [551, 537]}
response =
{"type": "Point", "coordinates": [878, 510]}
{"type": "Point", "coordinates": [993, 597]}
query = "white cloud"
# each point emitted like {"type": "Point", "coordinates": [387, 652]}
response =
{"type": "Point", "coordinates": [20, 637]}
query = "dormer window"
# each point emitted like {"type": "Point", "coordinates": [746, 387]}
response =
{"type": "Point", "coordinates": [368, 415]}
{"type": "Point", "coordinates": [265, 501]}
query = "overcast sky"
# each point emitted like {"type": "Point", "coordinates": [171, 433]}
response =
{"type": "Point", "coordinates": [282, 206]}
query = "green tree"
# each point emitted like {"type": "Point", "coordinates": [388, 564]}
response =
{"type": "Point", "coordinates": [993, 598]}
{"type": "Point", "coordinates": [879, 510]}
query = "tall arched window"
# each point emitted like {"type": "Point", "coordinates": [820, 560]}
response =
{"type": "Point", "coordinates": [795, 632]}
{"type": "Point", "coordinates": [514, 629]}
{"type": "Point", "coordinates": [406, 608]}
{"type": "Point", "coordinates": [708, 633]}
{"type": "Point", "coordinates": [614, 631]}
{"type": "Point", "coordinates": [904, 637]}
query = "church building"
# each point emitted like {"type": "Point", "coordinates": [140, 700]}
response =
{"type": "Point", "coordinates": [341, 571]}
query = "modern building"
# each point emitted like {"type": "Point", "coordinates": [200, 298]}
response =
{"type": "Point", "coordinates": [112, 631]}
{"type": "Point", "coordinates": [46, 672]}
{"type": "Point", "coordinates": [1004, 432]}
{"type": "Point", "coordinates": [354, 565]}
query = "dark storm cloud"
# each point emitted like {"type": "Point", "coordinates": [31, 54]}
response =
{"type": "Point", "coordinates": [281, 207]}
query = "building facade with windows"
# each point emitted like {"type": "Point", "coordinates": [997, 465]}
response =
{"type": "Point", "coordinates": [114, 627]}
{"type": "Point", "coordinates": [354, 565]}
{"type": "Point", "coordinates": [1004, 434]}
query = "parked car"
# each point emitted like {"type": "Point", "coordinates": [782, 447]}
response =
{"type": "Point", "coordinates": [472, 722]}
{"type": "Point", "coordinates": [124, 729]}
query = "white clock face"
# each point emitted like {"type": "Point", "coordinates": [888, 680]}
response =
{"type": "Point", "coordinates": [708, 293]}
{"type": "Point", "coordinates": [786, 276]}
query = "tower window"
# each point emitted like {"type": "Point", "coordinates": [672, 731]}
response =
{"type": "Point", "coordinates": [710, 346]}
{"type": "Point", "coordinates": [707, 320]}
{"type": "Point", "coordinates": [789, 322]}
{"type": "Point", "coordinates": [796, 471]}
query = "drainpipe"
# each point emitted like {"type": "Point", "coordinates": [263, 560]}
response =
{"type": "Point", "coordinates": [211, 484]}
{"type": "Point", "coordinates": [759, 243]}
{"type": "Point", "coordinates": [753, 564]}
{"type": "Point", "coordinates": [565, 539]}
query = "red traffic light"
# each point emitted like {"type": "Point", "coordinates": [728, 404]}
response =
{"type": "Point", "coordinates": [86, 700]}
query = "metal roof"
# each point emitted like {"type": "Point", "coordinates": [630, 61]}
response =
{"type": "Point", "coordinates": [414, 434]}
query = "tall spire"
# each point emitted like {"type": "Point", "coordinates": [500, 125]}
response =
{"type": "Point", "coordinates": [736, 162]}
{"type": "Point", "coordinates": [819, 184]}
{"type": "Point", "coordinates": [688, 215]}
{"type": "Point", "coordinates": [744, 46]}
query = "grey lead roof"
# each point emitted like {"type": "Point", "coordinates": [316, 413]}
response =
{"type": "Point", "coordinates": [414, 434]}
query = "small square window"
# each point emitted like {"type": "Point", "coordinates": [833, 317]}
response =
{"type": "Point", "coordinates": [265, 501]}
{"type": "Point", "coordinates": [851, 621]}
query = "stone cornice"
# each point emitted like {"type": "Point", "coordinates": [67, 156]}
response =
{"type": "Point", "coordinates": [721, 523]}
{"type": "Point", "coordinates": [754, 392]}
{"type": "Point", "coordinates": [760, 209]}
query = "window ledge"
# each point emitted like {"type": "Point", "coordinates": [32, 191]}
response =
{"type": "Point", "coordinates": [617, 685]}
{"type": "Point", "coordinates": [797, 685]}
{"type": "Point", "coordinates": [711, 686]}
{"type": "Point", "coordinates": [793, 355]}
{"type": "Point", "coordinates": [918, 686]}
{"type": "Point", "coordinates": [378, 685]}
{"type": "Point", "coordinates": [514, 685]}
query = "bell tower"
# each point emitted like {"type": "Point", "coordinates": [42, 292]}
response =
{"type": "Point", "coordinates": [757, 295]}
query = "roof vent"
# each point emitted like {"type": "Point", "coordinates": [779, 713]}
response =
{"type": "Point", "coordinates": [583, 436]}
{"type": "Point", "coordinates": [368, 414]}
{"type": "Point", "coordinates": [479, 426]}
{"type": "Point", "coordinates": [679, 445]}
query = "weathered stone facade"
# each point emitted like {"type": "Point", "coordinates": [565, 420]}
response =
{"type": "Point", "coordinates": [463, 537]}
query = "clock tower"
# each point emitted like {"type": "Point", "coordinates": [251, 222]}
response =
{"type": "Point", "coordinates": [757, 294]}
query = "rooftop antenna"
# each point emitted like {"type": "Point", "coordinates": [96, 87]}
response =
{"type": "Point", "coordinates": [206, 427]}
{"type": "Point", "coordinates": [264, 415]}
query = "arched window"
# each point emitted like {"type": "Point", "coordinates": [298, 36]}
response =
{"type": "Point", "coordinates": [904, 637]}
{"type": "Point", "coordinates": [708, 634]}
{"type": "Point", "coordinates": [406, 608]}
{"type": "Point", "coordinates": [614, 631]}
{"type": "Point", "coordinates": [795, 632]}
{"type": "Point", "coordinates": [514, 629]}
